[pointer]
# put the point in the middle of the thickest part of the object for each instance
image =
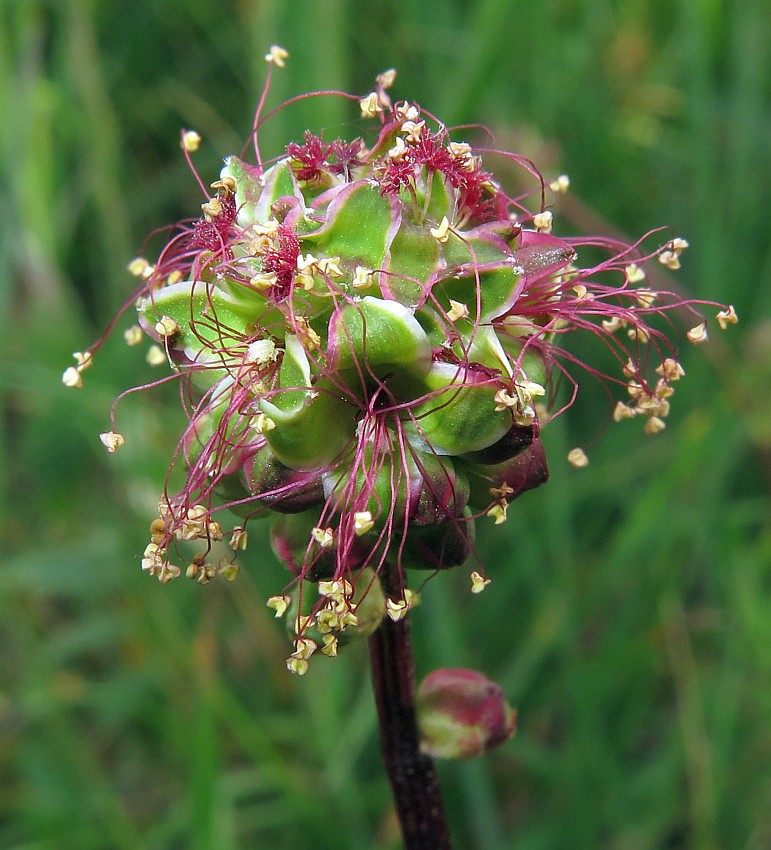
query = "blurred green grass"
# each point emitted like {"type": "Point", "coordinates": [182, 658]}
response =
{"type": "Point", "coordinates": [629, 617]}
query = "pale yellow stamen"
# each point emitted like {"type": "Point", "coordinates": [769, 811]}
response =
{"type": "Point", "coordinates": [654, 425]}
{"type": "Point", "coordinates": [727, 317]}
{"type": "Point", "coordinates": [277, 55]}
{"type": "Point", "coordinates": [239, 538]}
{"type": "Point", "coordinates": [543, 221]}
{"type": "Point", "coordinates": [166, 327]}
{"type": "Point", "coordinates": [71, 377]}
{"type": "Point", "coordinates": [370, 105]}
{"type": "Point", "coordinates": [478, 582]}
{"type": "Point", "coordinates": [698, 335]}
{"type": "Point", "coordinates": [279, 604]}
{"type": "Point", "coordinates": [191, 141]}
{"type": "Point", "coordinates": [396, 153]}
{"type": "Point", "coordinates": [133, 335]}
{"type": "Point", "coordinates": [362, 522]}
{"type": "Point", "coordinates": [323, 536]}
{"type": "Point", "coordinates": [457, 311]}
{"type": "Point", "coordinates": [262, 423]}
{"type": "Point", "coordinates": [386, 79]}
{"type": "Point", "coordinates": [670, 370]}
{"type": "Point", "coordinates": [623, 411]}
{"type": "Point", "coordinates": [441, 233]}
{"type": "Point", "coordinates": [498, 511]}
{"type": "Point", "coordinates": [112, 441]}
{"type": "Point", "coordinates": [577, 458]}
{"type": "Point", "coordinates": [138, 266]}
{"type": "Point", "coordinates": [212, 208]}
{"type": "Point", "coordinates": [362, 277]}
{"type": "Point", "coordinates": [155, 355]}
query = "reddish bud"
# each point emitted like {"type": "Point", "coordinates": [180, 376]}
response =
{"type": "Point", "coordinates": [462, 714]}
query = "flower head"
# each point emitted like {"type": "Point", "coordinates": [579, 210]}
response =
{"type": "Point", "coordinates": [367, 331]}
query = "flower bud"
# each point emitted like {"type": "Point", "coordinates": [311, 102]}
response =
{"type": "Point", "coordinates": [462, 714]}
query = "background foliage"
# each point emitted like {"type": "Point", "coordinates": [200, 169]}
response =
{"type": "Point", "coordinates": [629, 615]}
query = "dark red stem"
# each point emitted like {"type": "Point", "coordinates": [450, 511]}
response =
{"type": "Point", "coordinates": [411, 773]}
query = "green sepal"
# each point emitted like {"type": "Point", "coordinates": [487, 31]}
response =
{"type": "Point", "coordinates": [309, 434]}
{"type": "Point", "coordinates": [413, 257]}
{"type": "Point", "coordinates": [256, 194]}
{"type": "Point", "coordinates": [390, 483]}
{"type": "Point", "coordinates": [359, 227]}
{"type": "Point", "coordinates": [377, 334]}
{"type": "Point", "coordinates": [460, 415]}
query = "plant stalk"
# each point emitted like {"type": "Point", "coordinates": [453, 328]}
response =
{"type": "Point", "coordinates": [412, 774]}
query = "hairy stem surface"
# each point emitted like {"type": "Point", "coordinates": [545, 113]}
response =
{"type": "Point", "coordinates": [412, 774]}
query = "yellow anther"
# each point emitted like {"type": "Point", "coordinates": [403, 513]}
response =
{"type": "Point", "coordinates": [155, 355]}
{"type": "Point", "coordinates": [133, 335]}
{"type": "Point", "coordinates": [639, 334]}
{"type": "Point", "coordinates": [499, 511]}
{"type": "Point", "coordinates": [560, 184]}
{"type": "Point", "coordinates": [362, 277]}
{"type": "Point", "coordinates": [261, 351]}
{"type": "Point", "coordinates": [330, 646]}
{"type": "Point", "coordinates": [397, 609]}
{"type": "Point", "coordinates": [84, 359]}
{"type": "Point", "coordinates": [323, 536]}
{"type": "Point", "coordinates": [663, 389]}
{"type": "Point", "coordinates": [503, 400]}
{"type": "Point", "coordinates": [623, 411]}
{"type": "Point", "coordinates": [502, 492]}
{"type": "Point", "coordinates": [262, 423]}
{"type": "Point", "coordinates": [634, 273]}
{"type": "Point", "coordinates": [543, 221]}
{"type": "Point", "coordinates": [279, 604]}
{"type": "Point", "coordinates": [413, 130]}
{"type": "Point", "coordinates": [727, 317]}
{"type": "Point", "coordinates": [646, 297]}
{"type": "Point", "coordinates": [71, 377]}
{"type": "Point", "coordinates": [478, 582]}
{"type": "Point", "coordinates": [112, 441]}
{"type": "Point", "coordinates": [457, 311]}
{"type": "Point", "coordinates": [654, 425]}
{"type": "Point", "coordinates": [212, 208]}
{"type": "Point", "coordinates": [227, 184]}
{"type": "Point", "coordinates": [277, 55]}
{"type": "Point", "coordinates": [239, 538]}
{"type": "Point", "coordinates": [459, 150]}
{"type": "Point", "coordinates": [304, 647]}
{"type": "Point", "coordinates": [298, 666]}
{"type": "Point", "coordinates": [370, 105]}
{"type": "Point", "coordinates": [441, 233]}
{"type": "Point", "coordinates": [166, 327]}
{"type": "Point", "coordinates": [613, 324]}
{"type": "Point", "coordinates": [698, 335]}
{"type": "Point", "coordinates": [582, 293]}
{"type": "Point", "coordinates": [138, 266]}
{"type": "Point", "coordinates": [577, 458]}
{"type": "Point", "coordinates": [191, 141]}
{"type": "Point", "coordinates": [396, 153]}
{"type": "Point", "coordinates": [263, 282]}
{"type": "Point", "coordinates": [386, 79]}
{"type": "Point", "coordinates": [670, 370]}
{"type": "Point", "coordinates": [229, 570]}
{"type": "Point", "coordinates": [330, 266]}
{"type": "Point", "coordinates": [362, 522]}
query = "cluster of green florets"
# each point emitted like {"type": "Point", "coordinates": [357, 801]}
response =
{"type": "Point", "coordinates": [366, 332]}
